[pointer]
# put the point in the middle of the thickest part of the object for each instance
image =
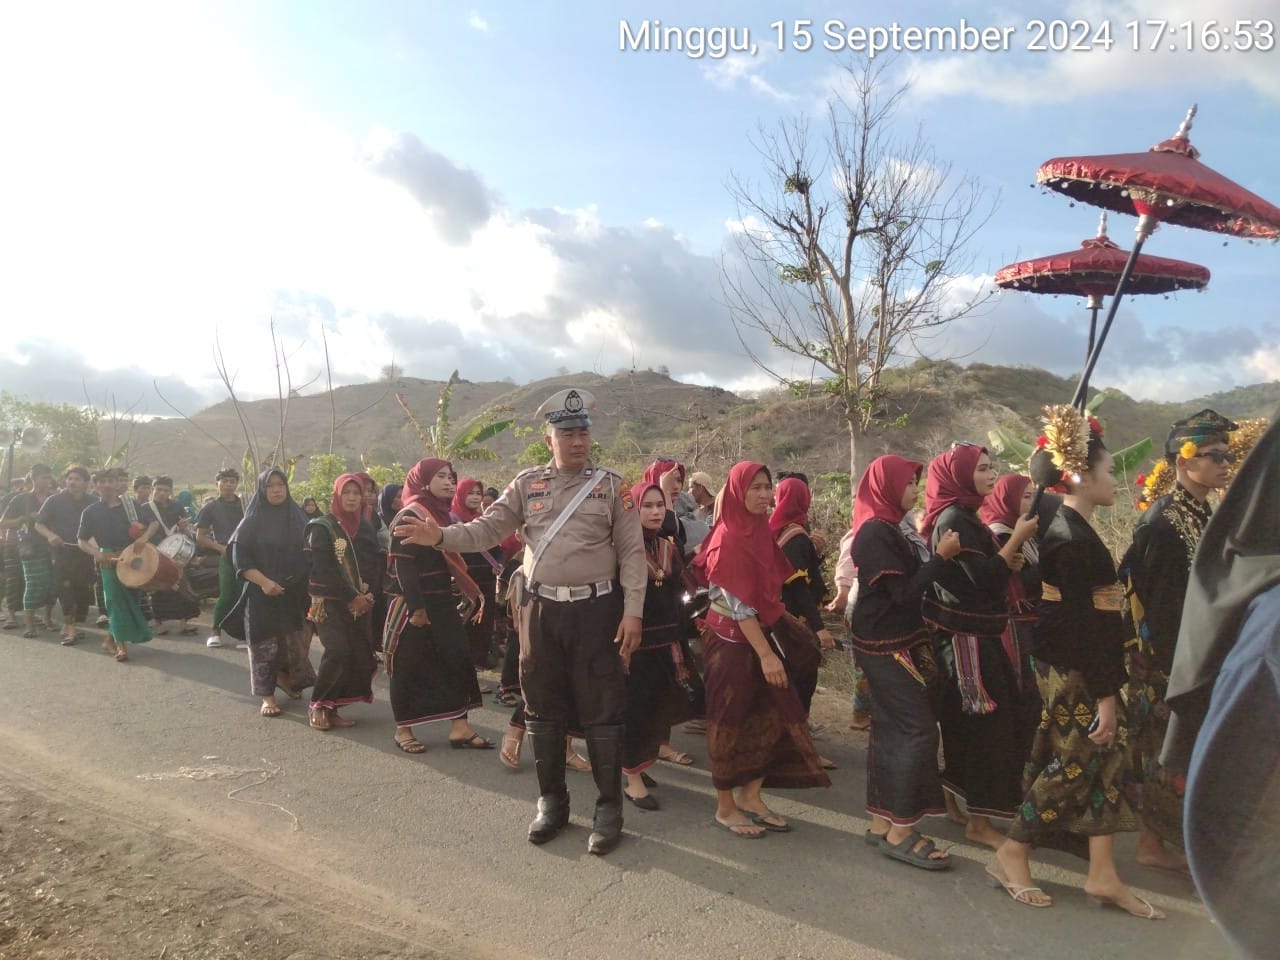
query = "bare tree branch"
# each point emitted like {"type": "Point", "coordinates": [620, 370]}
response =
{"type": "Point", "coordinates": [848, 251]}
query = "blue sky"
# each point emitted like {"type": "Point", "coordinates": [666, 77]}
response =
{"type": "Point", "coordinates": [499, 188]}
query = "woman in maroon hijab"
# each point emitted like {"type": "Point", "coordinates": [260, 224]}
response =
{"type": "Point", "coordinates": [892, 646]}
{"type": "Point", "coordinates": [979, 707]}
{"type": "Point", "coordinates": [427, 656]}
{"type": "Point", "coordinates": [757, 735]}
{"type": "Point", "coordinates": [483, 568]}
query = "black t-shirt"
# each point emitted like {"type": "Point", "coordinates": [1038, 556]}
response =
{"type": "Point", "coordinates": [32, 545]}
{"type": "Point", "coordinates": [61, 514]}
{"type": "Point", "coordinates": [108, 526]}
{"type": "Point", "coordinates": [222, 516]}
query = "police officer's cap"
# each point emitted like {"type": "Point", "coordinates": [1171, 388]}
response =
{"type": "Point", "coordinates": [567, 409]}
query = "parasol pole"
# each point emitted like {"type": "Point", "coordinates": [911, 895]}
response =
{"type": "Point", "coordinates": [1094, 305]}
{"type": "Point", "coordinates": [1146, 224]}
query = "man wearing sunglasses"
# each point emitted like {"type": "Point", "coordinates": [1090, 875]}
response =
{"type": "Point", "coordinates": [1156, 569]}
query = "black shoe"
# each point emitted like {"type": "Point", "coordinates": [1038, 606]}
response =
{"type": "Point", "coordinates": [553, 814]}
{"type": "Point", "coordinates": [546, 740]}
{"type": "Point", "coordinates": [647, 802]}
{"type": "Point", "coordinates": [604, 747]}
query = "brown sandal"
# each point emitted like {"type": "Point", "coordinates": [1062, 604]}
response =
{"type": "Point", "coordinates": [512, 744]}
{"type": "Point", "coordinates": [411, 744]}
{"type": "Point", "coordinates": [319, 719]}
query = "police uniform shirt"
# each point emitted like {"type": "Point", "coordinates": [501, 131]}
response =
{"type": "Point", "coordinates": [601, 540]}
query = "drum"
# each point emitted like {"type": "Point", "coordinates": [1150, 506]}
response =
{"type": "Point", "coordinates": [143, 567]}
{"type": "Point", "coordinates": [178, 547]}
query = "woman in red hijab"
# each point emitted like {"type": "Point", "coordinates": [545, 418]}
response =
{"type": "Point", "coordinates": [892, 646]}
{"type": "Point", "coordinates": [340, 607]}
{"type": "Point", "coordinates": [757, 735]}
{"type": "Point", "coordinates": [427, 656]}
{"type": "Point", "coordinates": [979, 706]}
{"type": "Point", "coordinates": [483, 568]}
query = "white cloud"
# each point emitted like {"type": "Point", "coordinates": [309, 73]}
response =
{"type": "Point", "coordinates": [477, 22]}
{"type": "Point", "coordinates": [744, 69]}
{"type": "Point", "coordinates": [1044, 77]}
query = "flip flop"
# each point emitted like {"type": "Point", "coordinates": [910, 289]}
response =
{"type": "Point", "coordinates": [121, 656]}
{"type": "Point", "coordinates": [678, 757]}
{"type": "Point", "coordinates": [736, 829]}
{"type": "Point", "coordinates": [269, 711]}
{"type": "Point", "coordinates": [763, 820]}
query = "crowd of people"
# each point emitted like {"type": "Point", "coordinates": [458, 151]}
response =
{"type": "Point", "coordinates": [986, 618]}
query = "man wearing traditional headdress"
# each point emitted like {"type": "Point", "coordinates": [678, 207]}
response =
{"type": "Point", "coordinates": [1156, 569]}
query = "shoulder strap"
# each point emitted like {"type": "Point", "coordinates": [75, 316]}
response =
{"type": "Point", "coordinates": [559, 522]}
{"type": "Point", "coordinates": [155, 512]}
{"type": "Point", "coordinates": [790, 532]}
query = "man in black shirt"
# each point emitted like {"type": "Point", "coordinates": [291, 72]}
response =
{"type": "Point", "coordinates": [58, 522]}
{"type": "Point", "coordinates": [215, 523]}
{"type": "Point", "coordinates": [34, 572]}
{"type": "Point", "coordinates": [1157, 567]}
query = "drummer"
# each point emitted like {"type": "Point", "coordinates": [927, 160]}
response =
{"type": "Point", "coordinates": [106, 528]}
{"type": "Point", "coordinates": [171, 524]}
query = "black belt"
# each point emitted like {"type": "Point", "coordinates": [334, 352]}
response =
{"type": "Point", "coordinates": [587, 591]}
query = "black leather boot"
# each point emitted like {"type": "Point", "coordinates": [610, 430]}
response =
{"type": "Point", "coordinates": [604, 746]}
{"type": "Point", "coordinates": [546, 739]}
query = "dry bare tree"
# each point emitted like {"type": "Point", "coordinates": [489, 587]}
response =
{"type": "Point", "coordinates": [849, 248]}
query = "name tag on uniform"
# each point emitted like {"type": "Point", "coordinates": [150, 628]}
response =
{"type": "Point", "coordinates": [538, 484]}
{"type": "Point", "coordinates": [537, 494]}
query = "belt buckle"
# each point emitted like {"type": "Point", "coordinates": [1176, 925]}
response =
{"type": "Point", "coordinates": [563, 594]}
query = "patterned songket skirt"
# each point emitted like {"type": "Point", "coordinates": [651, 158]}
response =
{"type": "Point", "coordinates": [1074, 788]}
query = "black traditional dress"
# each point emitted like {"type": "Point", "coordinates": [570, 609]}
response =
{"type": "Point", "coordinates": [334, 580]}
{"type": "Point", "coordinates": [801, 595]}
{"type": "Point", "coordinates": [656, 699]}
{"type": "Point", "coordinates": [1156, 568]}
{"type": "Point", "coordinates": [432, 677]}
{"type": "Point", "coordinates": [979, 704]}
{"type": "Point", "coordinates": [1076, 788]}
{"type": "Point", "coordinates": [892, 647]}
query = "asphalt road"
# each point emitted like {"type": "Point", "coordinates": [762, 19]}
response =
{"type": "Point", "coordinates": [434, 845]}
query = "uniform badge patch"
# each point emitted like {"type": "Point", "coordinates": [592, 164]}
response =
{"type": "Point", "coordinates": [538, 505]}
{"type": "Point", "coordinates": [625, 496]}
{"type": "Point", "coordinates": [538, 484]}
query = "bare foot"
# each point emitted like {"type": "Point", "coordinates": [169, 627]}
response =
{"type": "Point", "coordinates": [954, 813]}
{"type": "Point", "coordinates": [979, 830]}
{"type": "Point", "coordinates": [1152, 852]}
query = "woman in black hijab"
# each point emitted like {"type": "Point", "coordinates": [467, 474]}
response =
{"type": "Point", "coordinates": [267, 553]}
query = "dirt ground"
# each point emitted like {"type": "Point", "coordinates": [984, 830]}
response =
{"type": "Point", "coordinates": [81, 883]}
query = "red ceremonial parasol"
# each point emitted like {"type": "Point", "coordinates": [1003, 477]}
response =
{"type": "Point", "coordinates": [1092, 271]}
{"type": "Point", "coordinates": [1167, 183]}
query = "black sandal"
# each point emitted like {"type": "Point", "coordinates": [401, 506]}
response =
{"type": "Point", "coordinates": [473, 742]}
{"type": "Point", "coordinates": [507, 698]}
{"type": "Point", "coordinates": [905, 850]}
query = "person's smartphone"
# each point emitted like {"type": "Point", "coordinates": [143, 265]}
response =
{"type": "Point", "coordinates": [1094, 726]}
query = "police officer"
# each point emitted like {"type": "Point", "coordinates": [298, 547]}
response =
{"type": "Point", "coordinates": [580, 619]}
